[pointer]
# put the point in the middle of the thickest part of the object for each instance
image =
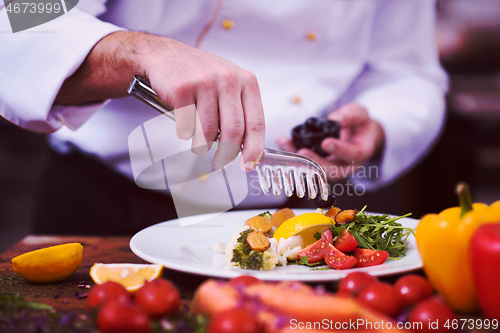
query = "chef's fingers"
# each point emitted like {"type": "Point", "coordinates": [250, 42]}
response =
{"type": "Point", "coordinates": [285, 144]}
{"type": "Point", "coordinates": [253, 144]}
{"type": "Point", "coordinates": [206, 122]}
{"type": "Point", "coordinates": [231, 118]}
{"type": "Point", "coordinates": [350, 115]}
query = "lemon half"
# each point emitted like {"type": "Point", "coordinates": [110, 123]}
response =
{"type": "Point", "coordinates": [304, 225]}
{"type": "Point", "coordinates": [50, 264]}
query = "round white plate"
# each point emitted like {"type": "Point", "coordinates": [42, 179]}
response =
{"type": "Point", "coordinates": [189, 249]}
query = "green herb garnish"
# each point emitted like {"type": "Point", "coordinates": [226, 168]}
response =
{"type": "Point", "coordinates": [378, 232]}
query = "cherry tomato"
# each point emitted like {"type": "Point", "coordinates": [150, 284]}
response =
{"type": "Point", "coordinates": [236, 320]}
{"type": "Point", "coordinates": [243, 281]}
{"type": "Point", "coordinates": [338, 260]}
{"type": "Point", "coordinates": [346, 242]}
{"type": "Point", "coordinates": [413, 288]}
{"type": "Point", "coordinates": [117, 317]}
{"type": "Point", "coordinates": [367, 257]}
{"type": "Point", "coordinates": [382, 297]}
{"type": "Point", "coordinates": [431, 315]}
{"type": "Point", "coordinates": [354, 282]}
{"type": "Point", "coordinates": [158, 298]}
{"type": "Point", "coordinates": [316, 251]}
{"type": "Point", "coordinates": [109, 290]}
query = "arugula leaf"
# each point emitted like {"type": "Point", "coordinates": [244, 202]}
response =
{"type": "Point", "coordinates": [377, 232]}
{"type": "Point", "coordinates": [305, 261]}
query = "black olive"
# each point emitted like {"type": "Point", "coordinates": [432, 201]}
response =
{"type": "Point", "coordinates": [320, 203]}
{"type": "Point", "coordinates": [314, 125]}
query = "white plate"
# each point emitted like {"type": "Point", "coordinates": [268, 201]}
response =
{"type": "Point", "coordinates": [189, 249]}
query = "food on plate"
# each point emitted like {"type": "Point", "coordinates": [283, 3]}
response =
{"type": "Point", "coordinates": [281, 215]}
{"type": "Point", "coordinates": [245, 257]}
{"type": "Point", "coordinates": [338, 238]}
{"type": "Point", "coordinates": [449, 235]}
{"type": "Point", "coordinates": [131, 276]}
{"type": "Point", "coordinates": [260, 223]}
{"type": "Point", "coordinates": [50, 264]}
{"type": "Point", "coordinates": [485, 251]}
{"type": "Point", "coordinates": [280, 306]}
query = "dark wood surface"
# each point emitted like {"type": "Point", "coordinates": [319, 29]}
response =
{"type": "Point", "coordinates": [67, 295]}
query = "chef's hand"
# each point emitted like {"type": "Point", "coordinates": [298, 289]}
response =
{"type": "Point", "coordinates": [361, 138]}
{"type": "Point", "coordinates": [183, 77]}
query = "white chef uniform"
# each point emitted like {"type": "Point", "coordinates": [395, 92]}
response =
{"type": "Point", "coordinates": [308, 56]}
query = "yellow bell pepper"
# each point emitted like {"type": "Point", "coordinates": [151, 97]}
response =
{"type": "Point", "coordinates": [443, 241]}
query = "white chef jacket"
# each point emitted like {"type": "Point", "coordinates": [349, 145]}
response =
{"type": "Point", "coordinates": [309, 57]}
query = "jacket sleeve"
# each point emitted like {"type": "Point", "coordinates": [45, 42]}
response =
{"type": "Point", "coordinates": [34, 64]}
{"type": "Point", "coordinates": [402, 86]}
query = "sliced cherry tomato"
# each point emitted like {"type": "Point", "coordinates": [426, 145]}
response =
{"type": "Point", "coordinates": [382, 297]}
{"type": "Point", "coordinates": [346, 242]}
{"type": "Point", "coordinates": [117, 317]}
{"type": "Point", "coordinates": [316, 251]}
{"type": "Point", "coordinates": [158, 298]}
{"type": "Point", "coordinates": [413, 288]}
{"type": "Point", "coordinates": [431, 315]}
{"type": "Point", "coordinates": [109, 290]}
{"type": "Point", "coordinates": [338, 260]}
{"type": "Point", "coordinates": [235, 320]}
{"type": "Point", "coordinates": [354, 282]}
{"type": "Point", "coordinates": [243, 281]}
{"type": "Point", "coordinates": [367, 257]}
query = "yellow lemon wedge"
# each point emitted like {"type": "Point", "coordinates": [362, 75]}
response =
{"type": "Point", "coordinates": [305, 225]}
{"type": "Point", "coordinates": [50, 264]}
{"type": "Point", "coordinates": [131, 276]}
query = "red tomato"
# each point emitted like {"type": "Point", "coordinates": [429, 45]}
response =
{"type": "Point", "coordinates": [158, 298]}
{"type": "Point", "coordinates": [116, 317]}
{"type": "Point", "coordinates": [316, 251]}
{"type": "Point", "coordinates": [413, 288]}
{"type": "Point", "coordinates": [346, 242]}
{"type": "Point", "coordinates": [104, 292]}
{"type": "Point", "coordinates": [485, 258]}
{"type": "Point", "coordinates": [354, 282]}
{"type": "Point", "coordinates": [338, 260]}
{"type": "Point", "coordinates": [236, 320]}
{"type": "Point", "coordinates": [243, 281]}
{"type": "Point", "coordinates": [431, 315]}
{"type": "Point", "coordinates": [367, 257]}
{"type": "Point", "coordinates": [381, 297]}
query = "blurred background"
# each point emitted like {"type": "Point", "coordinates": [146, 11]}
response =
{"type": "Point", "coordinates": [468, 35]}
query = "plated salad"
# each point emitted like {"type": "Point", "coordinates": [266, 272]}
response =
{"type": "Point", "coordinates": [331, 239]}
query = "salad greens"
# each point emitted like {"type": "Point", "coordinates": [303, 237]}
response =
{"type": "Point", "coordinates": [377, 232]}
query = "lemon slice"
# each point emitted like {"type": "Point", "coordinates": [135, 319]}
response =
{"type": "Point", "coordinates": [304, 225]}
{"type": "Point", "coordinates": [50, 264]}
{"type": "Point", "coordinates": [131, 276]}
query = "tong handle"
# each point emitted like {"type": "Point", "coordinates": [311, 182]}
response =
{"type": "Point", "coordinates": [140, 88]}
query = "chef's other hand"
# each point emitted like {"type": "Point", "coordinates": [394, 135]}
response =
{"type": "Point", "coordinates": [361, 138]}
{"type": "Point", "coordinates": [183, 77]}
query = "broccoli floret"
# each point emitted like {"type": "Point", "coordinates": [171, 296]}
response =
{"type": "Point", "coordinates": [266, 214]}
{"type": "Point", "coordinates": [246, 258]}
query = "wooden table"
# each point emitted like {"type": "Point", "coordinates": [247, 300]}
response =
{"type": "Point", "coordinates": [67, 295]}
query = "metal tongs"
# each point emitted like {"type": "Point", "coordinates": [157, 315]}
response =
{"type": "Point", "coordinates": [276, 169]}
